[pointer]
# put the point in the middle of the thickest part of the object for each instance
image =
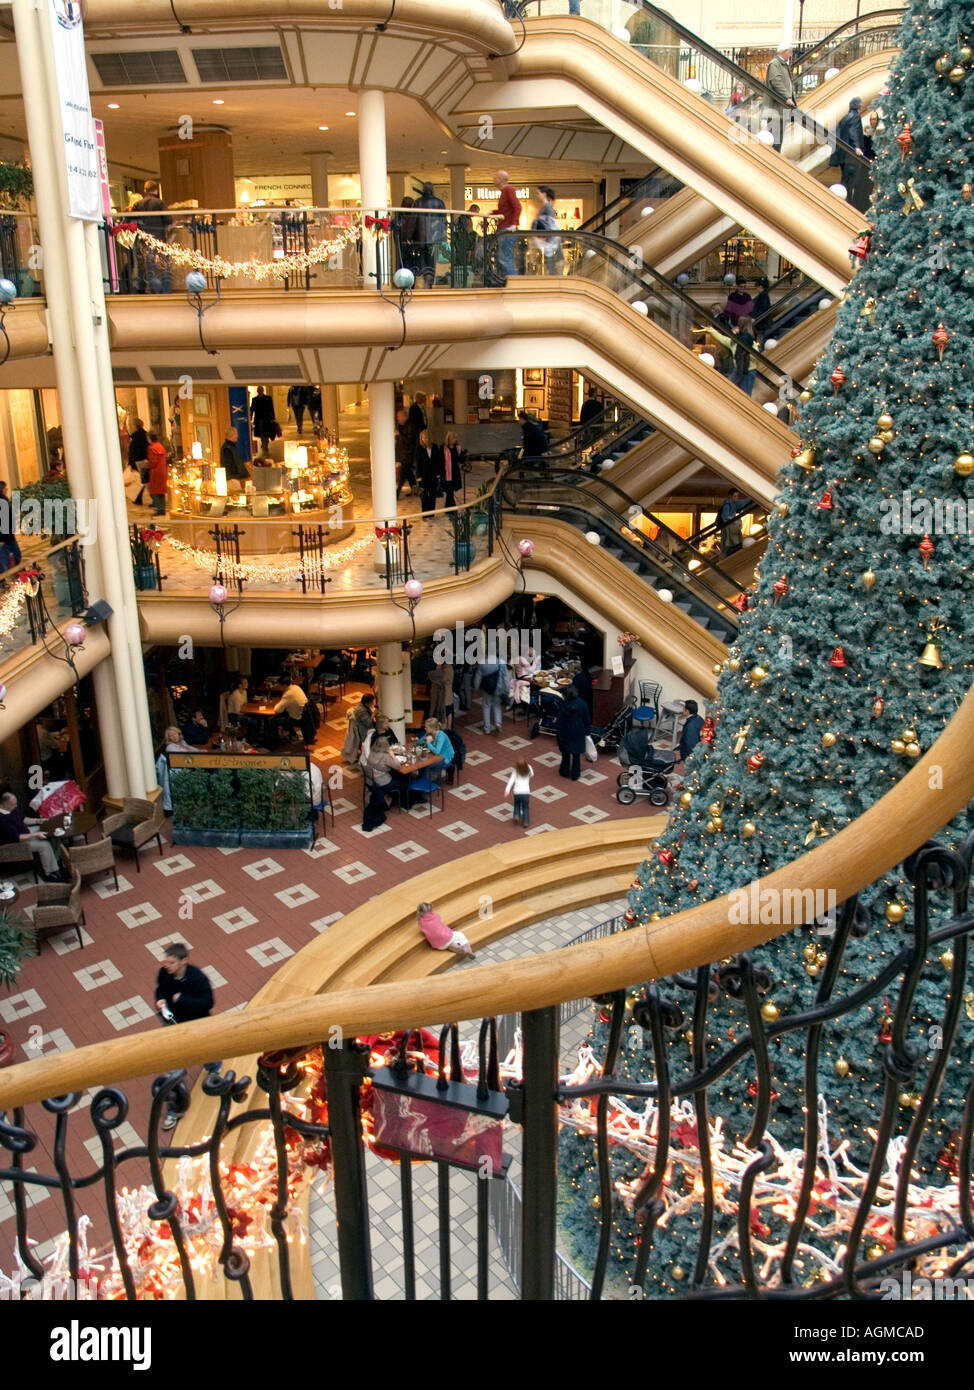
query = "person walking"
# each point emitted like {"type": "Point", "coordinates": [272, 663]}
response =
{"type": "Point", "coordinates": [454, 459]}
{"type": "Point", "coordinates": [492, 680]}
{"type": "Point", "coordinates": [405, 455]}
{"type": "Point", "coordinates": [417, 418]}
{"type": "Point", "coordinates": [519, 785]}
{"type": "Point", "coordinates": [429, 469]}
{"type": "Point", "coordinates": [546, 220]}
{"type": "Point", "coordinates": [573, 728]}
{"type": "Point", "coordinates": [431, 231]}
{"type": "Point", "coordinates": [236, 470]}
{"type": "Point", "coordinates": [297, 403]}
{"type": "Point", "coordinates": [158, 474]}
{"type": "Point", "coordinates": [534, 436]}
{"type": "Point", "coordinates": [154, 268]}
{"type": "Point", "coordinates": [779, 78]}
{"type": "Point", "coordinates": [9, 549]}
{"type": "Point", "coordinates": [183, 993]}
{"type": "Point", "coordinates": [441, 694]}
{"type": "Point", "coordinates": [508, 211]}
{"type": "Point", "coordinates": [139, 449]}
{"type": "Point", "coordinates": [262, 415]}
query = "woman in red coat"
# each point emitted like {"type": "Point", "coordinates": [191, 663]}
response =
{"type": "Point", "coordinates": [158, 474]}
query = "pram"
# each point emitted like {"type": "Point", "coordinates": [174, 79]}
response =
{"type": "Point", "coordinates": [645, 770]}
{"type": "Point", "coordinates": [545, 714]}
{"type": "Point", "coordinates": [615, 731]}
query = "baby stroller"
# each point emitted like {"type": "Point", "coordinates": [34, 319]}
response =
{"type": "Point", "coordinates": [644, 770]}
{"type": "Point", "coordinates": [615, 731]}
{"type": "Point", "coordinates": [545, 714]}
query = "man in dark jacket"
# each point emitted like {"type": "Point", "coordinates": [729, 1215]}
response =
{"type": "Point", "coordinates": [155, 271]}
{"type": "Point", "coordinates": [430, 232]}
{"type": "Point", "coordinates": [417, 418]}
{"type": "Point", "coordinates": [534, 436]}
{"type": "Point", "coordinates": [139, 449]}
{"type": "Point", "coordinates": [264, 419]}
{"type": "Point", "coordinates": [183, 993]}
{"type": "Point", "coordinates": [855, 172]}
{"type": "Point", "coordinates": [574, 725]}
{"type": "Point", "coordinates": [428, 463]}
{"type": "Point", "coordinates": [690, 736]}
{"type": "Point", "coordinates": [230, 458]}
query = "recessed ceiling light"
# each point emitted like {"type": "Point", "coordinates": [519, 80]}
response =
{"type": "Point", "coordinates": [322, 127]}
{"type": "Point", "coordinates": [350, 113]}
{"type": "Point", "coordinates": [218, 101]}
{"type": "Point", "coordinates": [113, 106]}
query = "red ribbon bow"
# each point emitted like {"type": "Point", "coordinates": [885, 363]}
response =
{"type": "Point", "coordinates": [124, 227]}
{"type": "Point", "coordinates": [382, 223]}
{"type": "Point", "coordinates": [27, 576]}
{"type": "Point", "coordinates": [384, 532]}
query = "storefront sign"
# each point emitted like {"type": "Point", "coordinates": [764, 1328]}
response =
{"type": "Point", "coordinates": [74, 103]}
{"type": "Point", "coordinates": [282, 763]}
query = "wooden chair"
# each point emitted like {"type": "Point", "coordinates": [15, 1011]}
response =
{"type": "Point", "coordinates": [59, 906]}
{"type": "Point", "coordinates": [18, 856]}
{"type": "Point", "coordinates": [90, 859]}
{"type": "Point", "coordinates": [135, 825]}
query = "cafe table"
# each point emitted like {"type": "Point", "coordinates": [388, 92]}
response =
{"type": "Point", "coordinates": [412, 767]}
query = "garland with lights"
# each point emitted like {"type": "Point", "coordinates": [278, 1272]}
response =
{"type": "Point", "coordinates": [855, 649]}
{"type": "Point", "coordinates": [130, 234]}
{"type": "Point", "coordinates": [270, 571]}
{"type": "Point", "coordinates": [14, 600]}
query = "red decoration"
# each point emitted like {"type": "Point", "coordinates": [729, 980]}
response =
{"type": "Point", "coordinates": [940, 340]}
{"type": "Point", "coordinates": [629, 915]}
{"type": "Point", "coordinates": [826, 504]}
{"type": "Point", "coordinates": [665, 856]}
{"type": "Point", "coordinates": [384, 532]}
{"type": "Point", "coordinates": [740, 603]}
{"type": "Point", "coordinates": [859, 249]}
{"type": "Point", "coordinates": [879, 704]}
{"type": "Point", "coordinates": [755, 762]}
{"type": "Point", "coordinates": [905, 141]}
{"type": "Point", "coordinates": [119, 227]}
{"type": "Point", "coordinates": [780, 588]}
{"type": "Point", "coordinates": [151, 534]}
{"type": "Point", "coordinates": [926, 549]}
{"type": "Point", "coordinates": [378, 224]}
{"type": "Point", "coordinates": [947, 1158]}
{"type": "Point", "coordinates": [758, 1228]}
{"type": "Point", "coordinates": [752, 1090]}
{"type": "Point", "coordinates": [796, 451]}
{"type": "Point", "coordinates": [838, 658]}
{"type": "Point", "coordinates": [707, 732]}
{"type": "Point", "coordinates": [838, 379]}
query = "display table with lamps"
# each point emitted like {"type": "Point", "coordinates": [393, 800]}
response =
{"type": "Point", "coordinates": [310, 488]}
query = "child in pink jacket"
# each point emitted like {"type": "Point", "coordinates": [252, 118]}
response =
{"type": "Point", "coordinates": [439, 935]}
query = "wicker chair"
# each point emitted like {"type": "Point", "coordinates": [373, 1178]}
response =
{"type": "Point", "coordinates": [90, 859]}
{"type": "Point", "coordinates": [59, 906]}
{"type": "Point", "coordinates": [135, 825]}
{"type": "Point", "coordinates": [18, 856]}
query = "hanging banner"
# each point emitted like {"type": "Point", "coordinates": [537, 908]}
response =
{"type": "Point", "coordinates": [74, 103]}
{"type": "Point", "coordinates": [108, 253]}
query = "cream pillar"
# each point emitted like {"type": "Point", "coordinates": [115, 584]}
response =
{"type": "Point", "coordinates": [459, 401]}
{"type": "Point", "coordinates": [613, 185]}
{"type": "Point", "coordinates": [78, 322]}
{"type": "Point", "coordinates": [382, 454]}
{"type": "Point", "coordinates": [372, 172]}
{"type": "Point", "coordinates": [458, 182]}
{"type": "Point", "coordinates": [329, 409]}
{"type": "Point", "coordinates": [389, 660]}
{"type": "Point", "coordinates": [406, 685]}
{"type": "Point", "coordinates": [319, 178]}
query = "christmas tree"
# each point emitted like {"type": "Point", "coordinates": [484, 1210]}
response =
{"type": "Point", "coordinates": [854, 652]}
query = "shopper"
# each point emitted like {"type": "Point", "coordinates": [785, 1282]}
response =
{"type": "Point", "coordinates": [139, 449]}
{"type": "Point", "coordinates": [9, 549]}
{"type": "Point", "coordinates": [297, 403]}
{"type": "Point", "coordinates": [690, 735]}
{"type": "Point", "coordinates": [431, 231]}
{"type": "Point", "coordinates": [265, 424]}
{"type": "Point", "coordinates": [196, 731]}
{"type": "Point", "coordinates": [382, 771]}
{"type": "Point", "coordinates": [729, 520]}
{"type": "Point", "coordinates": [183, 993]}
{"type": "Point", "coordinates": [441, 694]}
{"type": "Point", "coordinates": [361, 722]}
{"type": "Point", "coordinates": [739, 302]}
{"type": "Point", "coordinates": [428, 463]}
{"type": "Point", "coordinates": [519, 785]}
{"type": "Point", "coordinates": [492, 680]}
{"type": "Point", "coordinates": [417, 418]}
{"type": "Point", "coordinates": [439, 935]}
{"type": "Point", "coordinates": [573, 728]}
{"type": "Point", "coordinates": [454, 464]}
{"type": "Point", "coordinates": [534, 437]}
{"type": "Point", "coordinates": [779, 78]}
{"type": "Point", "coordinates": [435, 739]}
{"type": "Point", "coordinates": [508, 211]}
{"type": "Point", "coordinates": [16, 829]}
{"type": "Point", "coordinates": [745, 372]}
{"type": "Point", "coordinates": [291, 707]}
{"type": "Point", "coordinates": [230, 460]}
{"type": "Point", "coordinates": [133, 485]}
{"type": "Point", "coordinates": [158, 474]}
{"type": "Point", "coordinates": [154, 267]}
{"type": "Point", "coordinates": [174, 744]}
{"type": "Point", "coordinates": [546, 220]}
{"type": "Point", "coordinates": [405, 451]}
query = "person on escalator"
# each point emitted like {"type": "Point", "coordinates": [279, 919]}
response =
{"type": "Point", "coordinates": [762, 308]}
{"type": "Point", "coordinates": [854, 172]}
{"type": "Point", "coordinates": [745, 372]}
{"type": "Point", "coordinates": [739, 302]}
{"type": "Point", "coordinates": [729, 520]}
{"type": "Point", "coordinates": [779, 78]}
{"type": "Point", "coordinates": [534, 436]}
{"type": "Point", "coordinates": [590, 414]}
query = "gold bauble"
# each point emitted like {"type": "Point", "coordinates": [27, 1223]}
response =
{"type": "Point", "coordinates": [829, 740]}
{"type": "Point", "coordinates": [685, 799]}
{"type": "Point", "coordinates": [758, 674]}
{"type": "Point", "coordinates": [964, 464]}
{"type": "Point", "coordinates": [913, 750]}
{"type": "Point", "coordinates": [596, 1201]}
{"type": "Point", "coordinates": [748, 829]}
{"type": "Point", "coordinates": [770, 1012]}
{"type": "Point", "coordinates": [965, 192]}
{"type": "Point", "coordinates": [812, 969]}
{"type": "Point", "coordinates": [941, 64]}
{"type": "Point", "coordinates": [717, 668]}
{"type": "Point", "coordinates": [715, 808]}
{"type": "Point", "coordinates": [966, 53]}
{"type": "Point", "coordinates": [877, 444]}
{"type": "Point", "coordinates": [906, 1099]}
{"type": "Point", "coordinates": [886, 435]}
{"type": "Point", "coordinates": [810, 951]}
{"type": "Point", "coordinates": [710, 828]}
{"type": "Point", "coordinates": [909, 735]}
{"type": "Point", "coordinates": [868, 580]}
{"type": "Point", "coordinates": [821, 958]}
{"type": "Point", "coordinates": [782, 508]}
{"type": "Point", "coordinates": [895, 913]}
{"type": "Point", "coordinates": [718, 824]}
{"type": "Point", "coordinates": [885, 422]}
{"type": "Point", "coordinates": [677, 1272]}
{"type": "Point", "coordinates": [656, 916]}
{"type": "Point", "coordinates": [947, 959]}
{"type": "Point", "coordinates": [957, 75]}
{"type": "Point", "coordinates": [898, 746]}
{"type": "Point", "coordinates": [875, 1252]}
{"type": "Point", "coordinates": [842, 1066]}
{"type": "Point", "coordinates": [805, 395]}
{"type": "Point", "coordinates": [734, 663]}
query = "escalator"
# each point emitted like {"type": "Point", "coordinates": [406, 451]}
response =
{"type": "Point", "coordinates": [574, 63]}
{"type": "Point", "coordinates": [862, 37]}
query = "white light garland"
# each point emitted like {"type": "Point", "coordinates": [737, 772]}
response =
{"type": "Point", "coordinates": [274, 572]}
{"type": "Point", "coordinates": [253, 269]}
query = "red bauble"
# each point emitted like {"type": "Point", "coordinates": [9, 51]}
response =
{"type": "Point", "coordinates": [707, 732]}
{"type": "Point", "coordinates": [740, 603]}
{"type": "Point", "coordinates": [859, 249]}
{"type": "Point", "coordinates": [826, 504]}
{"type": "Point", "coordinates": [905, 141]}
{"type": "Point", "coordinates": [926, 549]}
{"type": "Point", "coordinates": [838, 379]}
{"type": "Point", "coordinates": [838, 657]}
{"type": "Point", "coordinates": [666, 856]}
{"type": "Point", "coordinates": [879, 704]}
{"type": "Point", "coordinates": [755, 762]}
{"type": "Point", "coordinates": [940, 340]}
{"type": "Point", "coordinates": [780, 588]}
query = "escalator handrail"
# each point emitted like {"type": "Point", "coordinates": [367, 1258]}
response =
{"type": "Point", "coordinates": [672, 568]}
{"type": "Point", "coordinates": [581, 437]}
{"type": "Point", "coordinates": [749, 507]}
{"type": "Point", "coordinates": [819, 48]}
{"type": "Point", "coordinates": [606, 245]}
{"type": "Point", "coordinates": [629, 502]}
{"type": "Point", "coordinates": [758, 88]}
{"type": "Point", "coordinates": [606, 213]}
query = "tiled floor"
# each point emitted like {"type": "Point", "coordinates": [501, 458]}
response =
{"type": "Point", "coordinates": [245, 911]}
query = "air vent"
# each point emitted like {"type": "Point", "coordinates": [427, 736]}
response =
{"type": "Point", "coordinates": [160, 68]}
{"type": "Point", "coordinates": [240, 64]}
{"type": "Point", "coordinates": [269, 371]}
{"type": "Point", "coordinates": [197, 373]}
{"type": "Point", "coordinates": [126, 374]}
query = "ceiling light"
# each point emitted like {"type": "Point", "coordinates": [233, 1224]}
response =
{"type": "Point", "coordinates": [322, 127]}
{"type": "Point", "coordinates": [218, 101]}
{"type": "Point", "coordinates": [349, 113]}
{"type": "Point", "coordinates": [113, 106]}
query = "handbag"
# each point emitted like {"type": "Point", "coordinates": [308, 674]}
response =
{"type": "Point", "coordinates": [451, 1121]}
{"type": "Point", "coordinates": [591, 752]}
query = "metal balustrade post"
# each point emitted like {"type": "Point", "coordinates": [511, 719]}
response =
{"type": "Point", "coordinates": [345, 1067]}
{"type": "Point", "coordinates": [540, 1158]}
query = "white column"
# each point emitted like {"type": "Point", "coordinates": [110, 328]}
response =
{"type": "Point", "coordinates": [406, 686]}
{"type": "Point", "coordinates": [372, 171]}
{"type": "Point", "coordinates": [319, 178]}
{"type": "Point", "coordinates": [788, 24]}
{"type": "Point", "coordinates": [389, 661]}
{"type": "Point", "coordinates": [458, 182]}
{"type": "Point", "coordinates": [459, 401]}
{"type": "Point", "coordinates": [79, 338]}
{"type": "Point", "coordinates": [382, 455]}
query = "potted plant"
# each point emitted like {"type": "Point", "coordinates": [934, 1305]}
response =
{"type": "Point", "coordinates": [145, 543]}
{"type": "Point", "coordinates": [478, 516]}
{"type": "Point", "coordinates": [463, 546]}
{"type": "Point", "coordinates": [275, 810]}
{"type": "Point", "coordinates": [17, 941]}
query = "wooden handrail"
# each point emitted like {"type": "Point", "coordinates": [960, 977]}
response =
{"type": "Point", "coordinates": [909, 814]}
